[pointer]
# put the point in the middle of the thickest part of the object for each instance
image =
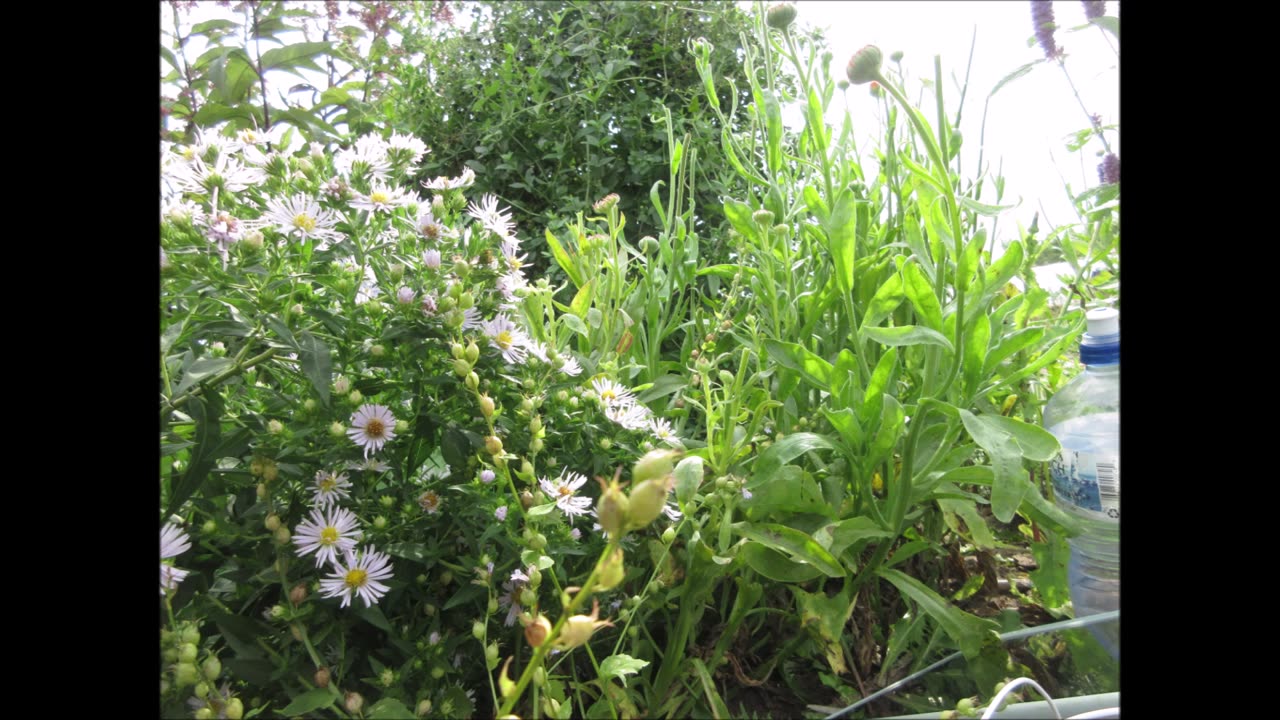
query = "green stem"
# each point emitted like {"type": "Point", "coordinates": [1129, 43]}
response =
{"type": "Point", "coordinates": [213, 381]}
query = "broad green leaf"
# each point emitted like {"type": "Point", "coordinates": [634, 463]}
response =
{"type": "Point", "coordinates": [620, 666]}
{"type": "Point", "coordinates": [594, 317]}
{"type": "Point", "coordinates": [827, 617]}
{"type": "Point", "coordinates": [739, 214]}
{"type": "Point", "coordinates": [540, 510]}
{"type": "Point", "coordinates": [574, 323]}
{"type": "Point", "coordinates": [845, 421]}
{"type": "Point", "coordinates": [316, 364]}
{"type": "Point", "coordinates": [789, 490]}
{"type": "Point", "coordinates": [892, 423]}
{"type": "Point", "coordinates": [975, 352]}
{"type": "Point", "coordinates": [1050, 577]}
{"type": "Point", "coordinates": [907, 335]}
{"type": "Point", "coordinates": [887, 299]}
{"type": "Point", "coordinates": [797, 545]}
{"type": "Point", "coordinates": [1004, 268]}
{"type": "Point", "coordinates": [874, 396]}
{"type": "Point", "coordinates": [205, 27]}
{"type": "Point", "coordinates": [773, 131]}
{"type": "Point", "coordinates": [309, 702]}
{"type": "Point", "coordinates": [966, 630]}
{"type": "Point", "coordinates": [291, 56]}
{"type": "Point", "coordinates": [814, 202]}
{"type": "Point", "coordinates": [1110, 23]}
{"type": "Point", "coordinates": [1032, 442]}
{"type": "Point", "coordinates": [843, 379]}
{"type": "Point", "coordinates": [582, 300]}
{"type": "Point", "coordinates": [389, 709]}
{"type": "Point", "coordinates": [170, 335]}
{"type": "Point", "coordinates": [968, 511]}
{"type": "Point", "coordinates": [688, 474]}
{"type": "Point", "coordinates": [719, 711]}
{"type": "Point", "coordinates": [775, 566]}
{"type": "Point", "coordinates": [206, 411]}
{"type": "Point", "coordinates": [784, 451]}
{"type": "Point", "coordinates": [837, 537]}
{"type": "Point", "coordinates": [1018, 341]}
{"type": "Point", "coordinates": [920, 291]}
{"type": "Point", "coordinates": [663, 386]}
{"type": "Point", "coordinates": [795, 357]}
{"type": "Point", "coordinates": [841, 230]}
{"type": "Point", "coordinates": [201, 369]}
{"type": "Point", "coordinates": [562, 259]}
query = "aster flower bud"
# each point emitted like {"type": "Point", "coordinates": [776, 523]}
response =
{"type": "Point", "coordinates": [342, 385]}
{"type": "Point", "coordinates": [337, 430]}
{"type": "Point", "coordinates": [864, 66]}
{"type": "Point", "coordinates": [356, 397]}
{"type": "Point", "coordinates": [486, 406]}
{"type": "Point", "coordinates": [272, 522]}
{"type": "Point", "coordinates": [353, 701]}
{"type": "Point", "coordinates": [298, 594]}
{"type": "Point", "coordinates": [424, 708]}
{"type": "Point", "coordinates": [473, 380]}
{"type": "Point", "coordinates": [763, 218]}
{"type": "Point", "coordinates": [275, 427]}
{"type": "Point", "coordinates": [322, 677]}
{"type": "Point", "coordinates": [472, 353]}
{"type": "Point", "coordinates": [282, 535]}
{"type": "Point", "coordinates": [201, 690]}
{"type": "Point", "coordinates": [780, 16]}
{"type": "Point", "coordinates": [493, 445]}
{"type": "Point", "coordinates": [577, 630]}
{"type": "Point", "coordinates": [606, 202]}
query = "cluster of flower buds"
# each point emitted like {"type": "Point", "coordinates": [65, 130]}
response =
{"type": "Point", "coordinates": [653, 478]}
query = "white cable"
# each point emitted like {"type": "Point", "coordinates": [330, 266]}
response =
{"type": "Point", "coordinates": [1099, 714]}
{"type": "Point", "coordinates": [1000, 696]}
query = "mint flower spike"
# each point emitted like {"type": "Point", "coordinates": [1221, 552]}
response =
{"type": "Point", "coordinates": [1042, 18]}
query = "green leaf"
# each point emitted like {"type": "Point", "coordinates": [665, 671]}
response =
{"type": "Point", "coordinates": [907, 335]}
{"type": "Point", "coordinates": [620, 666]}
{"type": "Point", "coordinates": [1033, 442]}
{"type": "Point", "coordinates": [594, 317]}
{"type": "Point", "coordinates": [688, 474]}
{"type": "Point", "coordinates": [574, 323]}
{"type": "Point", "coordinates": [841, 230]}
{"type": "Point", "coordinates": [799, 546]}
{"type": "Point", "coordinates": [784, 451]}
{"type": "Point", "coordinates": [563, 260]}
{"type": "Point", "coordinates": [207, 414]}
{"type": "Point", "coordinates": [1018, 341]}
{"type": "Point", "coordinates": [719, 711]}
{"type": "Point", "coordinates": [837, 537]}
{"type": "Point", "coordinates": [984, 209]}
{"type": "Point", "coordinates": [407, 550]}
{"type": "Point", "coordinates": [892, 423]}
{"type": "Point", "coordinates": [874, 396]}
{"type": "Point", "coordinates": [203, 28]}
{"type": "Point", "coordinates": [200, 369]}
{"type": "Point", "coordinates": [920, 292]}
{"type": "Point", "coordinates": [316, 364]}
{"type": "Point", "coordinates": [1014, 76]}
{"type": "Point", "coordinates": [389, 709]}
{"type": "Point", "coordinates": [795, 357]}
{"type": "Point", "coordinates": [290, 56]}
{"type": "Point", "coordinates": [775, 566]}
{"type": "Point", "coordinates": [309, 702]}
{"type": "Point", "coordinates": [966, 630]}
{"type": "Point", "coordinates": [967, 510]}
{"type": "Point", "coordinates": [1004, 268]}
{"type": "Point", "coordinates": [582, 299]}
{"type": "Point", "coordinates": [1050, 577]}
{"type": "Point", "coordinates": [826, 617]}
{"type": "Point", "coordinates": [887, 299]}
{"type": "Point", "coordinates": [540, 510]}
{"type": "Point", "coordinates": [373, 615]}
{"type": "Point", "coordinates": [1110, 23]}
{"type": "Point", "coordinates": [975, 352]}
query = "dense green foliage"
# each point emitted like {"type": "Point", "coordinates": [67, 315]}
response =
{"type": "Point", "coordinates": [555, 105]}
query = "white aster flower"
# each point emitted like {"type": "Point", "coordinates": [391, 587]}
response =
{"type": "Point", "coordinates": [224, 172]}
{"type": "Point", "coordinates": [563, 492]}
{"type": "Point", "coordinates": [182, 211]}
{"type": "Point", "coordinates": [507, 337]}
{"type": "Point", "coordinates": [570, 366]}
{"type": "Point", "coordinates": [381, 198]}
{"type": "Point", "coordinates": [509, 283]}
{"type": "Point", "coordinates": [630, 415]}
{"type": "Point", "coordinates": [465, 180]}
{"type": "Point", "coordinates": [493, 219]}
{"type": "Point", "coordinates": [405, 296]}
{"type": "Point", "coordinates": [330, 487]}
{"type": "Point", "coordinates": [430, 502]}
{"type": "Point", "coordinates": [360, 575]}
{"type": "Point", "coordinates": [672, 511]}
{"type": "Point", "coordinates": [302, 217]}
{"type": "Point", "coordinates": [431, 259]}
{"type": "Point", "coordinates": [371, 427]}
{"type": "Point", "coordinates": [327, 535]}
{"type": "Point", "coordinates": [471, 319]}
{"type": "Point", "coordinates": [405, 150]}
{"type": "Point", "coordinates": [611, 393]}
{"type": "Point", "coordinates": [369, 465]}
{"type": "Point", "coordinates": [661, 429]}
{"type": "Point", "coordinates": [173, 542]}
{"type": "Point", "coordinates": [368, 156]}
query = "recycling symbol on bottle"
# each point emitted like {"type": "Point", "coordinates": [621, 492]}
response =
{"type": "Point", "coordinates": [1113, 513]}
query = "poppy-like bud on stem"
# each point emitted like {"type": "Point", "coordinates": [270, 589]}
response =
{"type": "Point", "coordinates": [864, 66]}
{"type": "Point", "coordinates": [578, 629]}
{"type": "Point", "coordinates": [647, 501]}
{"type": "Point", "coordinates": [537, 630]}
{"type": "Point", "coordinates": [780, 16]}
{"type": "Point", "coordinates": [606, 202]}
{"type": "Point", "coordinates": [612, 508]}
{"type": "Point", "coordinates": [611, 571]}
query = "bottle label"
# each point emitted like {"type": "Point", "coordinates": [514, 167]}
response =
{"type": "Point", "coordinates": [1088, 481]}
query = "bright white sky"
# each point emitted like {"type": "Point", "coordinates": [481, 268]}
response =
{"type": "Point", "coordinates": [1028, 120]}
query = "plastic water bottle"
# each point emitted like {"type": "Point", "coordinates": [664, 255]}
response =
{"type": "Point", "coordinates": [1085, 417]}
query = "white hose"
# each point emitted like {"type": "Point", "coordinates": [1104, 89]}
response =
{"type": "Point", "coordinates": [1013, 685]}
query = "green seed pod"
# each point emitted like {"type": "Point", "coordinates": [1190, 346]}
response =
{"type": "Point", "coordinates": [201, 690]}
{"type": "Point", "coordinates": [473, 352]}
{"type": "Point", "coordinates": [612, 571]}
{"type": "Point", "coordinates": [187, 653]}
{"type": "Point", "coordinates": [656, 464]}
{"type": "Point", "coordinates": [437, 672]}
{"type": "Point", "coordinates": [185, 674]}
{"type": "Point", "coordinates": [647, 501]}
{"type": "Point", "coordinates": [234, 709]}
{"type": "Point", "coordinates": [780, 16]}
{"type": "Point", "coordinates": [477, 630]}
{"type": "Point", "coordinates": [204, 713]}
{"type": "Point", "coordinates": [211, 668]}
{"type": "Point", "coordinates": [612, 509]}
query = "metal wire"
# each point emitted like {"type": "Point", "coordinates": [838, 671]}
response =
{"type": "Point", "coordinates": [1008, 637]}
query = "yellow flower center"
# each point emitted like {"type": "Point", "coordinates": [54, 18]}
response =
{"type": "Point", "coordinates": [565, 491]}
{"type": "Point", "coordinates": [304, 222]}
{"type": "Point", "coordinates": [329, 535]}
{"type": "Point", "coordinates": [374, 428]}
{"type": "Point", "coordinates": [328, 484]}
{"type": "Point", "coordinates": [607, 395]}
{"type": "Point", "coordinates": [504, 339]}
{"type": "Point", "coordinates": [379, 197]}
{"type": "Point", "coordinates": [356, 578]}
